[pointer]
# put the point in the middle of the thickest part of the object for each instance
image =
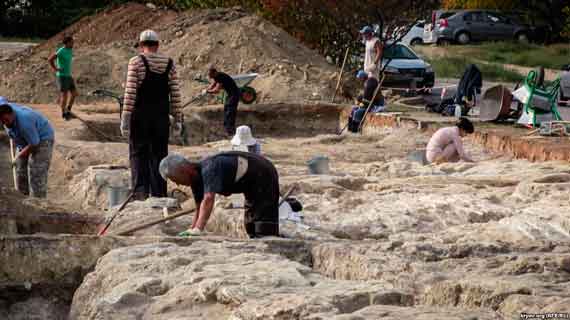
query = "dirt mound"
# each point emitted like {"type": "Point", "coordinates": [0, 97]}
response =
{"type": "Point", "coordinates": [232, 39]}
{"type": "Point", "coordinates": [116, 23]}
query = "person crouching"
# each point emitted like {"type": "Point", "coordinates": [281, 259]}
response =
{"type": "Point", "coordinates": [446, 144]}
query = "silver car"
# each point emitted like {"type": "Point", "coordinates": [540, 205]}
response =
{"type": "Point", "coordinates": [465, 26]}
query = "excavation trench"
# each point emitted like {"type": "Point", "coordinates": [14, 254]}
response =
{"type": "Point", "coordinates": [461, 216]}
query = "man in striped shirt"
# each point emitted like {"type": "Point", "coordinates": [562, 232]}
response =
{"type": "Point", "coordinates": [152, 94]}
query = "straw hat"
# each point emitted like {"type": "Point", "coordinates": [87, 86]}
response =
{"type": "Point", "coordinates": [243, 137]}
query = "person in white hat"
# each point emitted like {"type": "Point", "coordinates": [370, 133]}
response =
{"type": "Point", "coordinates": [243, 140]}
{"type": "Point", "coordinates": [152, 96]}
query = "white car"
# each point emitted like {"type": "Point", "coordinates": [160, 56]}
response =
{"type": "Point", "coordinates": [415, 35]}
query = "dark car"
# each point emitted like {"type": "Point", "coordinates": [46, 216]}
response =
{"type": "Point", "coordinates": [465, 26]}
{"type": "Point", "coordinates": [405, 68]}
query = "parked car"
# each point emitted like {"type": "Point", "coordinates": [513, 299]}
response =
{"type": "Point", "coordinates": [429, 35]}
{"type": "Point", "coordinates": [405, 67]}
{"type": "Point", "coordinates": [465, 26]}
{"type": "Point", "coordinates": [415, 35]}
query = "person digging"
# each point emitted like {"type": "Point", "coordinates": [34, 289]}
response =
{"type": "Point", "coordinates": [228, 173]}
{"type": "Point", "coordinates": [224, 81]}
{"type": "Point", "coordinates": [61, 62]}
{"type": "Point", "coordinates": [33, 136]}
{"type": "Point", "coordinates": [446, 143]}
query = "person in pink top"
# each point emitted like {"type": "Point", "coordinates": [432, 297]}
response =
{"type": "Point", "coordinates": [446, 146]}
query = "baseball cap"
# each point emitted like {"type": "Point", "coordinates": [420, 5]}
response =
{"type": "Point", "coordinates": [148, 35]}
{"type": "Point", "coordinates": [361, 74]}
{"type": "Point", "coordinates": [366, 29]}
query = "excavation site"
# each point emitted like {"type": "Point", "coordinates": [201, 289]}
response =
{"type": "Point", "coordinates": [381, 234]}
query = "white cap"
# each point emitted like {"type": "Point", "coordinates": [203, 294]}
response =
{"type": "Point", "coordinates": [148, 35]}
{"type": "Point", "coordinates": [243, 137]}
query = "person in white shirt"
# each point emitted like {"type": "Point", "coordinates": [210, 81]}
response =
{"type": "Point", "coordinates": [372, 53]}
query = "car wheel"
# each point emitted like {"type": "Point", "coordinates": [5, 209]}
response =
{"type": "Point", "coordinates": [416, 42]}
{"type": "Point", "coordinates": [463, 38]}
{"type": "Point", "coordinates": [522, 37]}
{"type": "Point", "coordinates": [443, 42]}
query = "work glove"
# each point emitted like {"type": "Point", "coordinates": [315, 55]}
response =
{"type": "Point", "coordinates": [125, 124]}
{"type": "Point", "coordinates": [177, 128]}
{"type": "Point", "coordinates": [177, 124]}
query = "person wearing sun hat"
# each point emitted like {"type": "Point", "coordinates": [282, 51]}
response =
{"type": "Point", "coordinates": [243, 140]}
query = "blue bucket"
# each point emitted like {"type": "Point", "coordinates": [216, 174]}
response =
{"type": "Point", "coordinates": [319, 165]}
{"type": "Point", "coordinates": [117, 195]}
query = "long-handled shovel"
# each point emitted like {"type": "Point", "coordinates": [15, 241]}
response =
{"type": "Point", "coordinates": [12, 157]}
{"type": "Point", "coordinates": [152, 223]}
{"type": "Point", "coordinates": [123, 205]}
{"type": "Point", "coordinates": [372, 101]}
{"type": "Point", "coordinates": [340, 74]}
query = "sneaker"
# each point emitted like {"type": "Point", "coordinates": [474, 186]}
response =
{"type": "Point", "coordinates": [64, 115]}
{"type": "Point", "coordinates": [191, 233]}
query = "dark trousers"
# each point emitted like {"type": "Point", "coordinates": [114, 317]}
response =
{"type": "Point", "coordinates": [230, 113]}
{"type": "Point", "coordinates": [146, 149]}
{"type": "Point", "coordinates": [261, 216]}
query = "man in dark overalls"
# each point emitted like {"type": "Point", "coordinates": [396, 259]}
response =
{"type": "Point", "coordinates": [229, 173]}
{"type": "Point", "coordinates": [152, 93]}
{"type": "Point", "coordinates": [224, 81]}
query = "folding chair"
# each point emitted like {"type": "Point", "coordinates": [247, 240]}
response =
{"type": "Point", "coordinates": [541, 105]}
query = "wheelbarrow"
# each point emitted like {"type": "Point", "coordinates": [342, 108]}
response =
{"type": "Point", "coordinates": [496, 105]}
{"type": "Point", "coordinates": [248, 95]}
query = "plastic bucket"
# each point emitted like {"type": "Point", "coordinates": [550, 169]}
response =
{"type": "Point", "coordinates": [117, 195]}
{"type": "Point", "coordinates": [319, 165]}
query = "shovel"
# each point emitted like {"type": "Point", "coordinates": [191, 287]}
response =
{"type": "Point", "coordinates": [12, 156]}
{"type": "Point", "coordinates": [123, 205]}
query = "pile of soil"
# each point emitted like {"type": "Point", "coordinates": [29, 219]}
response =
{"type": "Point", "coordinates": [232, 39]}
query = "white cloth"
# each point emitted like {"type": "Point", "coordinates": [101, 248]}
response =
{"type": "Point", "coordinates": [241, 168]}
{"type": "Point", "coordinates": [369, 56]}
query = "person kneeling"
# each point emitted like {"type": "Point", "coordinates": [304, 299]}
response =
{"type": "Point", "coordinates": [446, 144]}
{"type": "Point", "coordinates": [229, 173]}
{"type": "Point", "coordinates": [356, 115]}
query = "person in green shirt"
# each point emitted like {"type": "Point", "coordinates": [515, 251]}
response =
{"type": "Point", "coordinates": [60, 62]}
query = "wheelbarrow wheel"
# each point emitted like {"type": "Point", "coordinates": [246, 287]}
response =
{"type": "Point", "coordinates": [248, 95]}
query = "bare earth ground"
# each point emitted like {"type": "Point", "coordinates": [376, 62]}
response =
{"type": "Point", "coordinates": [489, 238]}
{"type": "Point", "coordinates": [232, 39]}
{"type": "Point", "coordinates": [389, 238]}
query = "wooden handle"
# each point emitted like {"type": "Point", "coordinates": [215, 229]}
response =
{"type": "Point", "coordinates": [287, 194]}
{"type": "Point", "coordinates": [152, 223]}
{"type": "Point", "coordinates": [12, 157]}
{"type": "Point", "coordinates": [123, 205]}
{"type": "Point", "coordinates": [340, 75]}
{"type": "Point", "coordinates": [370, 103]}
